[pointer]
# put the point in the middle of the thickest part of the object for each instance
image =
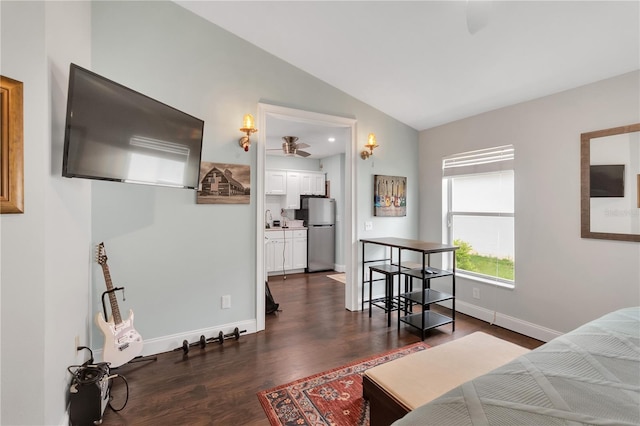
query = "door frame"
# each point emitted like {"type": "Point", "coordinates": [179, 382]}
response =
{"type": "Point", "coordinates": [350, 243]}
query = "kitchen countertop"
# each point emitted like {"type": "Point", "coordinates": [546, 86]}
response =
{"type": "Point", "coordinates": [291, 228]}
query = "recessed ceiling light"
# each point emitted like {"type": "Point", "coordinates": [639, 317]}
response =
{"type": "Point", "coordinates": [332, 139]}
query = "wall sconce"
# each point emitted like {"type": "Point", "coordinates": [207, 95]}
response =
{"type": "Point", "coordinates": [248, 127]}
{"type": "Point", "coordinates": [370, 145]}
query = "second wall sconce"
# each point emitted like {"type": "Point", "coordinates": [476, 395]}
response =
{"type": "Point", "coordinates": [370, 145]}
{"type": "Point", "coordinates": [248, 127]}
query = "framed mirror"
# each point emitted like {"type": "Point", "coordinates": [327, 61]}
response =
{"type": "Point", "coordinates": [11, 146]}
{"type": "Point", "coordinates": [610, 183]}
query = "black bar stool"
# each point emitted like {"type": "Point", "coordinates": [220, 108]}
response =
{"type": "Point", "coordinates": [387, 302]}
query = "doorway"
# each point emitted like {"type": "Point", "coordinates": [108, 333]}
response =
{"type": "Point", "coordinates": [275, 114]}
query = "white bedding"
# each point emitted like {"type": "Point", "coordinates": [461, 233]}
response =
{"type": "Point", "coordinates": [588, 376]}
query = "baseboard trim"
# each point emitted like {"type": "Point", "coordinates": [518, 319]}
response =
{"type": "Point", "coordinates": [169, 343]}
{"type": "Point", "coordinates": [505, 321]}
{"type": "Point", "coordinates": [285, 272]}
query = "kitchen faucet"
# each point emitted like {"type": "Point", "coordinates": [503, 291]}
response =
{"type": "Point", "coordinates": [267, 213]}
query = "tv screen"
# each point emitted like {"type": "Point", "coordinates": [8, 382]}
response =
{"type": "Point", "coordinates": [117, 134]}
{"type": "Point", "coordinates": [607, 180]}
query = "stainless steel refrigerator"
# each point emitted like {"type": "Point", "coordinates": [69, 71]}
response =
{"type": "Point", "coordinates": [321, 233]}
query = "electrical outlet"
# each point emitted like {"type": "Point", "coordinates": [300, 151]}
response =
{"type": "Point", "coordinates": [476, 293]}
{"type": "Point", "coordinates": [368, 226]}
{"type": "Point", "coordinates": [226, 302]}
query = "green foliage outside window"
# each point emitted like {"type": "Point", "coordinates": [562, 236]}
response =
{"type": "Point", "coordinates": [468, 260]}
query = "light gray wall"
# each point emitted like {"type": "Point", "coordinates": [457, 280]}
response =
{"type": "Point", "coordinates": [562, 280]}
{"type": "Point", "coordinates": [45, 252]}
{"type": "Point", "coordinates": [177, 258]}
{"type": "Point", "coordinates": [174, 258]}
{"type": "Point", "coordinates": [334, 168]}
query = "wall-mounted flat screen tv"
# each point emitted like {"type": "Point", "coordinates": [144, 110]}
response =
{"type": "Point", "coordinates": [117, 134]}
{"type": "Point", "coordinates": [607, 180]}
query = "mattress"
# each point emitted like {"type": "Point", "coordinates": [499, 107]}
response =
{"type": "Point", "coordinates": [590, 375]}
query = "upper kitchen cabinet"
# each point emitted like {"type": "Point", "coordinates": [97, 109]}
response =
{"type": "Point", "coordinates": [276, 182]}
{"type": "Point", "coordinates": [312, 183]}
{"type": "Point", "coordinates": [293, 191]}
{"type": "Point", "coordinates": [294, 183]}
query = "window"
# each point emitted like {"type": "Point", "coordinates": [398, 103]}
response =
{"type": "Point", "coordinates": [479, 213]}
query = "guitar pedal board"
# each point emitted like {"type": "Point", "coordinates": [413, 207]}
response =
{"type": "Point", "coordinates": [89, 394]}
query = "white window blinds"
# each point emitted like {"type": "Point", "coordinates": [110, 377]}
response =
{"type": "Point", "coordinates": [481, 161]}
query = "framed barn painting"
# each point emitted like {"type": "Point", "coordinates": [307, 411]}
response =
{"type": "Point", "coordinates": [222, 183]}
{"type": "Point", "coordinates": [390, 196]}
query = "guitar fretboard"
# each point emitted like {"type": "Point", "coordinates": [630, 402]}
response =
{"type": "Point", "coordinates": [115, 310]}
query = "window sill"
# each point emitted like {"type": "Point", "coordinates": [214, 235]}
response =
{"type": "Point", "coordinates": [485, 280]}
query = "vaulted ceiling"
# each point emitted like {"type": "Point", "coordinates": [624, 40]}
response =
{"type": "Point", "coordinates": [427, 63]}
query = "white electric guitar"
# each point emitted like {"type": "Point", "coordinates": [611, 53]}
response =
{"type": "Point", "coordinates": [122, 342]}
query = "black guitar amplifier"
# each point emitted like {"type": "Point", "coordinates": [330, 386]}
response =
{"type": "Point", "coordinates": [89, 394]}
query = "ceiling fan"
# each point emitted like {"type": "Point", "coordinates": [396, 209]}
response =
{"type": "Point", "coordinates": [291, 148]}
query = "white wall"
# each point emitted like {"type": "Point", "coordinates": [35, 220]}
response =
{"type": "Point", "coordinates": [175, 258]}
{"type": "Point", "coordinates": [292, 163]}
{"type": "Point", "coordinates": [562, 280]}
{"type": "Point", "coordinates": [45, 251]}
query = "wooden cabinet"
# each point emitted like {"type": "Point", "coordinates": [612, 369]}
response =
{"type": "Point", "coordinates": [275, 182]}
{"type": "Point", "coordinates": [285, 251]}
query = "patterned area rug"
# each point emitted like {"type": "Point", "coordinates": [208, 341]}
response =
{"type": "Point", "coordinates": [330, 398]}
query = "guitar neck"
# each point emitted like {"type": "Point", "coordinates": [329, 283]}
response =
{"type": "Point", "coordinates": [115, 310]}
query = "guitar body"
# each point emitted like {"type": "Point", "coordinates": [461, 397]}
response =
{"type": "Point", "coordinates": [122, 342]}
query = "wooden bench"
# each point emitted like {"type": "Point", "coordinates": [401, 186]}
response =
{"type": "Point", "coordinates": [399, 386]}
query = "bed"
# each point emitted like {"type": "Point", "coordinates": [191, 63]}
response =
{"type": "Point", "coordinates": [590, 375]}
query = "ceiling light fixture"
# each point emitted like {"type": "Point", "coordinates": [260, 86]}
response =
{"type": "Point", "coordinates": [370, 145]}
{"type": "Point", "coordinates": [248, 127]}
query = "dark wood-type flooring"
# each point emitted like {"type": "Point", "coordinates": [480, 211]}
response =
{"type": "Point", "coordinates": [312, 333]}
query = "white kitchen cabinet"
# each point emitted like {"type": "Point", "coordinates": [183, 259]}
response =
{"type": "Point", "coordinates": [293, 191]}
{"type": "Point", "coordinates": [275, 182]}
{"type": "Point", "coordinates": [278, 252]}
{"type": "Point", "coordinates": [306, 183]}
{"type": "Point", "coordinates": [299, 249]}
{"type": "Point", "coordinates": [319, 184]}
{"type": "Point", "coordinates": [312, 183]}
{"type": "Point", "coordinates": [285, 251]}
{"type": "Point", "coordinates": [294, 183]}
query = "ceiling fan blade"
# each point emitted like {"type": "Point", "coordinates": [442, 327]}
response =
{"type": "Point", "coordinates": [302, 153]}
{"type": "Point", "coordinates": [303, 145]}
